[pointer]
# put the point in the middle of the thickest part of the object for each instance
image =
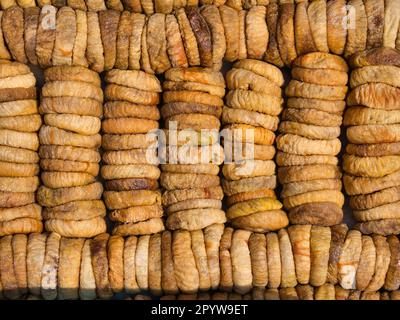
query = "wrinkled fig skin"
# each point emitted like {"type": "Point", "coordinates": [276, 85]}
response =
{"type": "Point", "coordinates": [245, 250]}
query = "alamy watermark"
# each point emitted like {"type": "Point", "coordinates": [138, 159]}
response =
{"type": "Point", "coordinates": [188, 146]}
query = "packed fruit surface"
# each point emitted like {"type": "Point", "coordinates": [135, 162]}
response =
{"type": "Point", "coordinates": [210, 149]}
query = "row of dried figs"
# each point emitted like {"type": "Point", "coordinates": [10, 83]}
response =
{"type": "Point", "coordinates": [139, 6]}
{"type": "Point", "coordinates": [110, 39]}
{"type": "Point", "coordinates": [300, 292]}
{"type": "Point", "coordinates": [196, 36]}
{"type": "Point", "coordinates": [215, 258]}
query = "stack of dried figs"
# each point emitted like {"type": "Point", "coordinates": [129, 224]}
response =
{"type": "Point", "coordinates": [372, 162]}
{"type": "Point", "coordinates": [19, 142]}
{"type": "Point", "coordinates": [72, 106]}
{"type": "Point", "coordinates": [130, 158]}
{"type": "Point", "coordinates": [309, 143]}
{"type": "Point", "coordinates": [192, 107]}
{"type": "Point", "coordinates": [254, 103]}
